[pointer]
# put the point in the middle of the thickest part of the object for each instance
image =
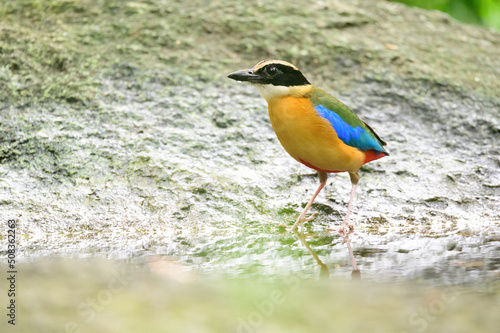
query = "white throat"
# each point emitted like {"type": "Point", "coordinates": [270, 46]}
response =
{"type": "Point", "coordinates": [269, 91]}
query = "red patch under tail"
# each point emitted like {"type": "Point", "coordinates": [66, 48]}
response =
{"type": "Point", "coordinates": [372, 155]}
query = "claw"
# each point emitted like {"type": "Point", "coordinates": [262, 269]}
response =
{"type": "Point", "coordinates": [303, 219]}
{"type": "Point", "coordinates": [347, 226]}
{"type": "Point", "coordinates": [344, 229]}
{"type": "Point", "coordinates": [310, 218]}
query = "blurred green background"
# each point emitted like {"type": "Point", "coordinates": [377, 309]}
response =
{"type": "Point", "coordinates": [480, 12]}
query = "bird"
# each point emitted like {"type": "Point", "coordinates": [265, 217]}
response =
{"type": "Point", "coordinates": [315, 128]}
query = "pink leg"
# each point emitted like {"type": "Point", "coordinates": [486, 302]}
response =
{"type": "Point", "coordinates": [346, 220]}
{"type": "Point", "coordinates": [346, 226]}
{"type": "Point", "coordinates": [323, 176]}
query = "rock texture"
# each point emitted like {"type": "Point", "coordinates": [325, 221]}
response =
{"type": "Point", "coordinates": [159, 154]}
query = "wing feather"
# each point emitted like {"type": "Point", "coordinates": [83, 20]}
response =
{"type": "Point", "coordinates": [349, 127]}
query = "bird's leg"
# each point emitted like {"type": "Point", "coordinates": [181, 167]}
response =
{"type": "Point", "coordinates": [323, 176]}
{"type": "Point", "coordinates": [354, 180]}
{"type": "Point", "coordinates": [346, 226]}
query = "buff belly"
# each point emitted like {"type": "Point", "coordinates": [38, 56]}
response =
{"type": "Point", "coordinates": [309, 138]}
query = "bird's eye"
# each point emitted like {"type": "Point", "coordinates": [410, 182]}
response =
{"type": "Point", "coordinates": [272, 71]}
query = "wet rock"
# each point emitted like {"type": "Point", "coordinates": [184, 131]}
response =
{"type": "Point", "coordinates": [168, 147]}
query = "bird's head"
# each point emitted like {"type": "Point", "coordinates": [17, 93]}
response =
{"type": "Point", "coordinates": [274, 78]}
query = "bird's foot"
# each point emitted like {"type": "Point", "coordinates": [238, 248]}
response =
{"type": "Point", "coordinates": [344, 229]}
{"type": "Point", "coordinates": [302, 219]}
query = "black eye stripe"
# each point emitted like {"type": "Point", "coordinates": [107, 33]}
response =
{"type": "Point", "coordinates": [271, 71]}
{"type": "Point", "coordinates": [281, 75]}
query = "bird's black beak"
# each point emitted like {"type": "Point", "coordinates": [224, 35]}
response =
{"type": "Point", "coordinates": [245, 75]}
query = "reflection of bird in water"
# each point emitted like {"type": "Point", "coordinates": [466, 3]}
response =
{"type": "Point", "coordinates": [324, 272]}
{"type": "Point", "coordinates": [356, 273]}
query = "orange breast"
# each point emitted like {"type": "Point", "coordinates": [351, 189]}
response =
{"type": "Point", "coordinates": [309, 138]}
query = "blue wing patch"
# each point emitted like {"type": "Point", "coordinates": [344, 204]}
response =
{"type": "Point", "coordinates": [354, 137]}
